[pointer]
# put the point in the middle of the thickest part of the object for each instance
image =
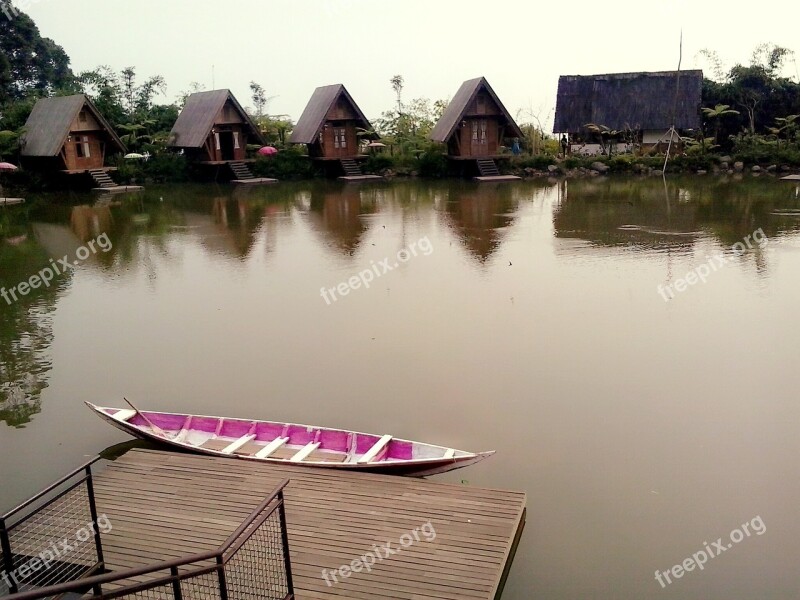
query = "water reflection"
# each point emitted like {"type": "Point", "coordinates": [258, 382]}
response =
{"type": "Point", "coordinates": [337, 214]}
{"type": "Point", "coordinates": [480, 214]}
{"type": "Point", "coordinates": [26, 327]}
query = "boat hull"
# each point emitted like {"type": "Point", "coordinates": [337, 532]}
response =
{"type": "Point", "coordinates": [418, 467]}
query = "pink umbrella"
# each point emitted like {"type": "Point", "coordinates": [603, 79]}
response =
{"type": "Point", "coordinates": [5, 166]}
{"type": "Point", "coordinates": [268, 151]}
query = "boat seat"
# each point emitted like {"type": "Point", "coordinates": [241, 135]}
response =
{"type": "Point", "coordinates": [304, 452]}
{"type": "Point", "coordinates": [268, 450]}
{"type": "Point", "coordinates": [233, 447]}
{"type": "Point", "coordinates": [451, 453]}
{"type": "Point", "coordinates": [373, 452]}
{"type": "Point", "coordinates": [125, 414]}
{"type": "Point", "coordinates": [215, 444]}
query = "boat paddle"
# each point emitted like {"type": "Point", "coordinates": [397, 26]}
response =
{"type": "Point", "coordinates": [156, 429]}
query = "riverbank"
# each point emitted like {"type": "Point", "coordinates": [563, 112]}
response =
{"type": "Point", "coordinates": [293, 165]}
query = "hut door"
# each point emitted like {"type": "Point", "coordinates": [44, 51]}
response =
{"type": "Point", "coordinates": [479, 135]}
{"type": "Point", "coordinates": [340, 141]}
{"type": "Point", "coordinates": [226, 145]}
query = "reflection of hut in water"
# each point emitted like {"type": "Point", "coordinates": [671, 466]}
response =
{"type": "Point", "coordinates": [337, 213]}
{"type": "Point", "coordinates": [480, 216]}
{"type": "Point", "coordinates": [627, 211]}
{"type": "Point", "coordinates": [89, 222]}
{"type": "Point", "coordinates": [226, 226]}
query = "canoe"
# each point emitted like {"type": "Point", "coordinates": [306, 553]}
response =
{"type": "Point", "coordinates": [288, 443]}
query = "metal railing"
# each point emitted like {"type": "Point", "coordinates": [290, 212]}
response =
{"type": "Point", "coordinates": [45, 540]}
{"type": "Point", "coordinates": [253, 563]}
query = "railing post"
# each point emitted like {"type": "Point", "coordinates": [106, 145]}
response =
{"type": "Point", "coordinates": [176, 584]}
{"type": "Point", "coordinates": [98, 543]}
{"type": "Point", "coordinates": [287, 563]}
{"type": "Point", "coordinates": [8, 558]}
{"type": "Point", "coordinates": [223, 580]}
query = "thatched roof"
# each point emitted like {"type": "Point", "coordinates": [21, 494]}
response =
{"type": "Point", "coordinates": [50, 121]}
{"type": "Point", "coordinates": [313, 118]}
{"type": "Point", "coordinates": [454, 113]}
{"type": "Point", "coordinates": [197, 118]}
{"type": "Point", "coordinates": [629, 101]}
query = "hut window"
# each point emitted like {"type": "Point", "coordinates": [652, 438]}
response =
{"type": "Point", "coordinates": [236, 140]}
{"type": "Point", "coordinates": [339, 137]}
{"type": "Point", "coordinates": [479, 131]}
{"type": "Point", "coordinates": [82, 117]}
{"type": "Point", "coordinates": [216, 141]}
{"type": "Point", "coordinates": [82, 147]}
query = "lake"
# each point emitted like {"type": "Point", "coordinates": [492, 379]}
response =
{"type": "Point", "coordinates": [628, 346]}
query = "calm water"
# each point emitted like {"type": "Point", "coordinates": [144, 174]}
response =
{"type": "Point", "coordinates": [639, 428]}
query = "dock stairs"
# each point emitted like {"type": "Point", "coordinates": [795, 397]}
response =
{"type": "Point", "coordinates": [488, 168]}
{"type": "Point", "coordinates": [241, 171]}
{"type": "Point", "coordinates": [102, 179]}
{"type": "Point", "coordinates": [350, 167]}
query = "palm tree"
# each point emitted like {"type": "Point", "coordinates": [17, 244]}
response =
{"type": "Point", "coordinates": [716, 113]}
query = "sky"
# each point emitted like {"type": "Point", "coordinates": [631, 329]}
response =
{"type": "Point", "coordinates": [292, 46]}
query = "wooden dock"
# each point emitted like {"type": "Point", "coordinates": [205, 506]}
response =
{"type": "Point", "coordinates": [491, 178]}
{"type": "Point", "coordinates": [166, 505]}
{"type": "Point", "coordinates": [254, 181]}
{"type": "Point", "coordinates": [356, 178]}
{"type": "Point", "coordinates": [11, 201]}
{"type": "Point", "coordinates": [118, 189]}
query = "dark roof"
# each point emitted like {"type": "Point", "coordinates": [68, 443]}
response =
{"type": "Point", "coordinates": [196, 120]}
{"type": "Point", "coordinates": [629, 101]}
{"type": "Point", "coordinates": [49, 124]}
{"type": "Point", "coordinates": [313, 117]}
{"type": "Point", "coordinates": [454, 113]}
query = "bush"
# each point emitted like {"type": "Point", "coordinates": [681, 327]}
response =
{"type": "Point", "coordinates": [290, 163]}
{"type": "Point", "coordinates": [432, 163]}
{"type": "Point", "coordinates": [377, 163]}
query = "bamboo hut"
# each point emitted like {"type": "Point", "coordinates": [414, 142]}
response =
{"type": "Point", "coordinates": [67, 135]}
{"type": "Point", "coordinates": [475, 127]}
{"type": "Point", "coordinates": [645, 108]}
{"type": "Point", "coordinates": [330, 127]}
{"type": "Point", "coordinates": [213, 130]}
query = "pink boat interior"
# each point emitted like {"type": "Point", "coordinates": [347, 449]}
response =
{"type": "Point", "coordinates": [277, 441]}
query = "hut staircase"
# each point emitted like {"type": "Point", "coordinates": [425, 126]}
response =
{"type": "Point", "coordinates": [101, 178]}
{"type": "Point", "coordinates": [487, 167]}
{"type": "Point", "coordinates": [241, 171]}
{"type": "Point", "coordinates": [350, 167]}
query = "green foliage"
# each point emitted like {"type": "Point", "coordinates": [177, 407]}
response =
{"type": "Point", "coordinates": [378, 163]}
{"type": "Point", "coordinates": [289, 163]}
{"type": "Point", "coordinates": [540, 162]}
{"type": "Point", "coordinates": [159, 168]}
{"type": "Point", "coordinates": [30, 65]}
{"type": "Point", "coordinates": [432, 163]}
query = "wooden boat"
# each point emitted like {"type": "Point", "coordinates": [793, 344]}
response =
{"type": "Point", "coordinates": [273, 442]}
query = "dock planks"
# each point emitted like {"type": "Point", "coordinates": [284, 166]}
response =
{"type": "Point", "coordinates": [166, 505]}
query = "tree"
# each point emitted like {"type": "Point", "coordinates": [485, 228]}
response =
{"type": "Point", "coordinates": [259, 98]}
{"type": "Point", "coordinates": [30, 65]}
{"type": "Point", "coordinates": [397, 85]}
{"type": "Point", "coordinates": [716, 114]}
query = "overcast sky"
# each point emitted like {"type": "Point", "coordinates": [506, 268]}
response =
{"type": "Point", "coordinates": [292, 46]}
